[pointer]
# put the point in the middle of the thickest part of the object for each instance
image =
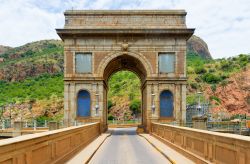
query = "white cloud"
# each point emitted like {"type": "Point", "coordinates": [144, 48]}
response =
{"type": "Point", "coordinates": [224, 24]}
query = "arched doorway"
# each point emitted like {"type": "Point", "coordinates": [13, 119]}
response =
{"type": "Point", "coordinates": [83, 104]}
{"type": "Point", "coordinates": [166, 104]}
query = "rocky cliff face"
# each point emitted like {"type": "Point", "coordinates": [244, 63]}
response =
{"type": "Point", "coordinates": [235, 96]}
{"type": "Point", "coordinates": [197, 45]}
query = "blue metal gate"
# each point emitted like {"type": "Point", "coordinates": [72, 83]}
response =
{"type": "Point", "coordinates": [166, 104]}
{"type": "Point", "coordinates": [83, 104]}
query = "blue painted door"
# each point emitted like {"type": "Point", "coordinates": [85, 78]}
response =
{"type": "Point", "coordinates": [83, 104]}
{"type": "Point", "coordinates": [166, 104]}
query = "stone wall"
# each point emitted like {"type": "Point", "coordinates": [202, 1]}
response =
{"type": "Point", "coordinates": [205, 146]}
{"type": "Point", "coordinates": [48, 147]}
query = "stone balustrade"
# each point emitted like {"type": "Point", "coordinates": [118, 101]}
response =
{"type": "Point", "coordinates": [205, 146]}
{"type": "Point", "coordinates": [55, 146]}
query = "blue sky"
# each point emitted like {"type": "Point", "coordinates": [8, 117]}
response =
{"type": "Point", "coordinates": [223, 24]}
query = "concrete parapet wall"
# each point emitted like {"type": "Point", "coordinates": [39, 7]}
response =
{"type": "Point", "coordinates": [48, 147]}
{"type": "Point", "coordinates": [205, 145]}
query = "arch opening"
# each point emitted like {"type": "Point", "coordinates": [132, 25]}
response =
{"type": "Point", "coordinates": [124, 98]}
{"type": "Point", "coordinates": [83, 103]}
{"type": "Point", "coordinates": [131, 72]}
{"type": "Point", "coordinates": [125, 62]}
{"type": "Point", "coordinates": [166, 104]}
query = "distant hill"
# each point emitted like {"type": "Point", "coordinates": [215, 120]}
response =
{"type": "Point", "coordinates": [32, 59]}
{"type": "Point", "coordinates": [33, 73]}
{"type": "Point", "coordinates": [3, 49]}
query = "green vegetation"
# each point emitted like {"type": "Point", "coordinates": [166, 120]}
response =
{"type": "Point", "coordinates": [124, 84]}
{"type": "Point", "coordinates": [215, 98]}
{"type": "Point", "coordinates": [38, 88]}
{"type": "Point", "coordinates": [38, 52]}
{"type": "Point", "coordinates": [135, 106]}
{"type": "Point", "coordinates": [211, 78]}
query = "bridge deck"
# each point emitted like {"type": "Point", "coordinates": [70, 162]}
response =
{"type": "Point", "coordinates": [125, 146]}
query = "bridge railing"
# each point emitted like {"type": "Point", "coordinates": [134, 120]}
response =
{"type": "Point", "coordinates": [48, 147]}
{"type": "Point", "coordinates": [205, 146]}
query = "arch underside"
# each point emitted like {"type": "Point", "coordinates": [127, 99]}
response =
{"type": "Point", "coordinates": [125, 62]}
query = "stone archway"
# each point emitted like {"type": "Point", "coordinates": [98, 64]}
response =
{"type": "Point", "coordinates": [98, 43]}
{"type": "Point", "coordinates": [131, 62]}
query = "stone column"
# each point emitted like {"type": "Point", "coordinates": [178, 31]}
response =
{"type": "Point", "coordinates": [183, 103]}
{"type": "Point", "coordinates": [17, 131]}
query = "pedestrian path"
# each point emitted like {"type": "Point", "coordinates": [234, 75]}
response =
{"type": "Point", "coordinates": [85, 155]}
{"type": "Point", "coordinates": [170, 153]}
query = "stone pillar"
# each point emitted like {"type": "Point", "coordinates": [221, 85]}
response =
{"type": "Point", "coordinates": [17, 130]}
{"type": "Point", "coordinates": [183, 104]}
{"type": "Point", "coordinates": [53, 125]}
{"type": "Point", "coordinates": [199, 122]}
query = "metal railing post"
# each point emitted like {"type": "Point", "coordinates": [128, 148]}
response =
{"type": "Point", "coordinates": [3, 125]}
{"type": "Point", "coordinates": [45, 124]}
{"type": "Point", "coordinates": [34, 125]}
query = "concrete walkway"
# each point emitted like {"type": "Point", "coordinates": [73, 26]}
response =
{"type": "Point", "coordinates": [124, 146]}
{"type": "Point", "coordinates": [174, 156]}
{"type": "Point", "coordinates": [85, 155]}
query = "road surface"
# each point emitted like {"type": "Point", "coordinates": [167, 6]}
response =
{"type": "Point", "coordinates": [125, 147]}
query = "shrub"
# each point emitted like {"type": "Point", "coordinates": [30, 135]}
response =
{"type": "Point", "coordinates": [198, 79]}
{"type": "Point", "coordinates": [41, 120]}
{"type": "Point", "coordinates": [224, 76]}
{"type": "Point", "coordinates": [213, 87]}
{"type": "Point", "coordinates": [111, 117]}
{"type": "Point", "coordinates": [194, 85]}
{"type": "Point", "coordinates": [227, 65]}
{"type": "Point", "coordinates": [200, 70]}
{"type": "Point", "coordinates": [217, 99]}
{"type": "Point", "coordinates": [110, 104]}
{"type": "Point", "coordinates": [211, 70]}
{"type": "Point", "coordinates": [135, 106]}
{"type": "Point", "coordinates": [211, 78]}
{"type": "Point", "coordinates": [224, 83]}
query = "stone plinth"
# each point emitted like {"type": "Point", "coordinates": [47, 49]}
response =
{"type": "Point", "coordinates": [199, 122]}
{"type": "Point", "coordinates": [53, 125]}
{"type": "Point", "coordinates": [18, 126]}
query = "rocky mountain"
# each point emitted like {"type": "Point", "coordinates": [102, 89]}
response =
{"type": "Point", "coordinates": [196, 45]}
{"type": "Point", "coordinates": [238, 101]}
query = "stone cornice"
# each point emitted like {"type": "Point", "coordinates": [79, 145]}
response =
{"type": "Point", "coordinates": [64, 33]}
{"type": "Point", "coordinates": [124, 12]}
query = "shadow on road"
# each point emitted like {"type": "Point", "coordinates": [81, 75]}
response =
{"type": "Point", "coordinates": [123, 131]}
